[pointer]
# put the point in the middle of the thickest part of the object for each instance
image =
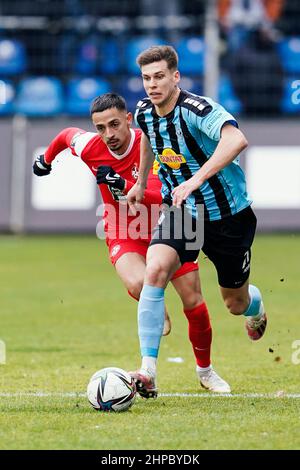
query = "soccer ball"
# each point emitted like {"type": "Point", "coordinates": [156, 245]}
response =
{"type": "Point", "coordinates": [111, 389]}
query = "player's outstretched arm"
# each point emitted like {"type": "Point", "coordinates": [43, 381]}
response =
{"type": "Point", "coordinates": [42, 165]}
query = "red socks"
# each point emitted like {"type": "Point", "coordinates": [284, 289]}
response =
{"type": "Point", "coordinates": [200, 333]}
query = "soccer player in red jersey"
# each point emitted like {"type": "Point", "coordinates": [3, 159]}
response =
{"type": "Point", "coordinates": [113, 156]}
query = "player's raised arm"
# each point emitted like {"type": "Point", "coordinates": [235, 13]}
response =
{"type": "Point", "coordinates": [136, 194]}
{"type": "Point", "coordinates": [42, 165]}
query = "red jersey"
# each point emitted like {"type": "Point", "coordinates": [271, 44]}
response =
{"type": "Point", "coordinates": [119, 223]}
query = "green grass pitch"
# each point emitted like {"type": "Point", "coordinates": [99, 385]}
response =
{"type": "Point", "coordinates": [64, 314]}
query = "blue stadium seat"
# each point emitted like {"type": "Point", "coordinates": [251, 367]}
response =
{"type": "Point", "coordinates": [87, 57]}
{"type": "Point", "coordinates": [133, 49]}
{"type": "Point", "coordinates": [81, 92]}
{"type": "Point", "coordinates": [194, 85]}
{"type": "Point", "coordinates": [95, 54]}
{"type": "Point", "coordinates": [227, 96]}
{"type": "Point", "coordinates": [39, 97]}
{"type": "Point", "coordinates": [7, 95]}
{"type": "Point", "coordinates": [289, 51]}
{"type": "Point", "coordinates": [110, 61]}
{"type": "Point", "coordinates": [131, 88]}
{"type": "Point", "coordinates": [191, 55]}
{"type": "Point", "coordinates": [13, 59]}
{"type": "Point", "coordinates": [290, 103]}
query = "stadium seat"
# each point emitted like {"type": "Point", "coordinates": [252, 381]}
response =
{"type": "Point", "coordinates": [39, 97]}
{"type": "Point", "coordinates": [13, 59]}
{"type": "Point", "coordinates": [227, 96]}
{"type": "Point", "coordinates": [110, 61]}
{"type": "Point", "coordinates": [133, 49]}
{"type": "Point", "coordinates": [87, 57]}
{"type": "Point", "coordinates": [194, 85]}
{"type": "Point", "coordinates": [191, 55]}
{"type": "Point", "coordinates": [81, 92]}
{"type": "Point", "coordinates": [290, 103]}
{"type": "Point", "coordinates": [131, 88]}
{"type": "Point", "coordinates": [289, 51]}
{"type": "Point", "coordinates": [7, 95]}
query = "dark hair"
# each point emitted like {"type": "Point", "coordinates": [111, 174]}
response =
{"type": "Point", "coordinates": [108, 101]}
{"type": "Point", "coordinates": [158, 53]}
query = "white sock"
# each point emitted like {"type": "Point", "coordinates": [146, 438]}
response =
{"type": "Point", "coordinates": [203, 370]}
{"type": "Point", "coordinates": [149, 364]}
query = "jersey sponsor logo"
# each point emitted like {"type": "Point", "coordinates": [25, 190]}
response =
{"type": "Point", "coordinates": [135, 171]}
{"type": "Point", "coordinates": [171, 159]}
{"type": "Point", "coordinates": [155, 167]}
{"type": "Point", "coordinates": [115, 250]}
{"type": "Point", "coordinates": [214, 120]}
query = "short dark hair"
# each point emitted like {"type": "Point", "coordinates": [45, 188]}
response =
{"type": "Point", "coordinates": [158, 53]}
{"type": "Point", "coordinates": [108, 101]}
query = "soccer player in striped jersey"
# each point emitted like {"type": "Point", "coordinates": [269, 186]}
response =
{"type": "Point", "coordinates": [113, 156]}
{"type": "Point", "coordinates": [196, 143]}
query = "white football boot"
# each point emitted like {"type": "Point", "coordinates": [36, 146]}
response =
{"type": "Point", "coordinates": [211, 381]}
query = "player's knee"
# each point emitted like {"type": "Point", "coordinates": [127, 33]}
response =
{"type": "Point", "coordinates": [236, 305]}
{"type": "Point", "coordinates": [192, 300]}
{"type": "Point", "coordinates": [156, 275]}
{"type": "Point", "coordinates": [134, 287]}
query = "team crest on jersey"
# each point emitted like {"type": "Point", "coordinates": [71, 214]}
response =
{"type": "Point", "coordinates": [135, 171]}
{"type": "Point", "coordinates": [179, 133]}
{"type": "Point", "coordinates": [171, 159]}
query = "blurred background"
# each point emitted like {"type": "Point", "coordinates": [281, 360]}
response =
{"type": "Point", "coordinates": [57, 55]}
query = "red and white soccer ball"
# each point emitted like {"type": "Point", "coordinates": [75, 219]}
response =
{"type": "Point", "coordinates": [111, 389]}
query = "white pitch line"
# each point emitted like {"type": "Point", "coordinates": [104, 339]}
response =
{"type": "Point", "coordinates": [279, 394]}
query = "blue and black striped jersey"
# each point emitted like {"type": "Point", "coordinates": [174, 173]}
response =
{"type": "Point", "coordinates": [182, 142]}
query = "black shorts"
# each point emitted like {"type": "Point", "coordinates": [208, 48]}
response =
{"type": "Point", "coordinates": [227, 243]}
{"type": "Point", "coordinates": [177, 233]}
